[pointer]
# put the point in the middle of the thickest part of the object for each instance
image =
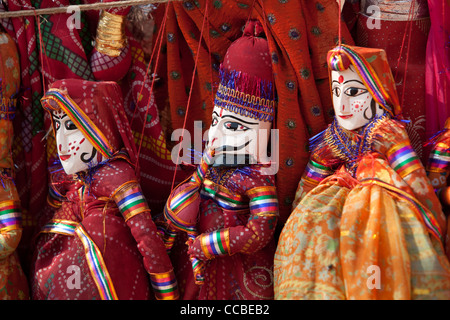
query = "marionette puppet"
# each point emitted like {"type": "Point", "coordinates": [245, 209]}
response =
{"type": "Point", "coordinates": [229, 206]}
{"type": "Point", "coordinates": [366, 223]}
{"type": "Point", "coordinates": [101, 243]}
{"type": "Point", "coordinates": [13, 283]}
{"type": "Point", "coordinates": [438, 170]}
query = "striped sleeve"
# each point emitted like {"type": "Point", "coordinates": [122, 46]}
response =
{"type": "Point", "coordinates": [261, 224]}
{"type": "Point", "coordinates": [439, 159]}
{"type": "Point", "coordinates": [130, 200]}
{"type": "Point", "coordinates": [263, 200]}
{"type": "Point", "coordinates": [315, 172]}
{"type": "Point", "coordinates": [135, 210]}
{"type": "Point", "coordinates": [165, 285]}
{"type": "Point", "coordinates": [10, 216]}
{"type": "Point", "coordinates": [403, 159]}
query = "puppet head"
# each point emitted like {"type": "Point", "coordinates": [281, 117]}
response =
{"type": "Point", "coordinates": [244, 104]}
{"type": "Point", "coordinates": [89, 123]}
{"type": "Point", "coordinates": [362, 85]}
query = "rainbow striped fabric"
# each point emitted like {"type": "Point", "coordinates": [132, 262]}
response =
{"type": "Point", "coordinates": [131, 201]}
{"type": "Point", "coordinates": [80, 119]}
{"type": "Point", "coordinates": [176, 204]}
{"type": "Point", "coordinates": [65, 227]}
{"type": "Point", "coordinates": [97, 266]}
{"type": "Point", "coordinates": [94, 258]}
{"type": "Point", "coordinates": [216, 243]}
{"type": "Point", "coordinates": [315, 172]}
{"type": "Point", "coordinates": [439, 159]}
{"type": "Point", "coordinates": [403, 159]}
{"type": "Point", "coordinates": [10, 216]}
{"type": "Point", "coordinates": [222, 196]}
{"type": "Point", "coordinates": [200, 173]}
{"type": "Point", "coordinates": [263, 200]}
{"type": "Point", "coordinates": [164, 285]}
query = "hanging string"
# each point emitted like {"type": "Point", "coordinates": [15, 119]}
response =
{"type": "Point", "coordinates": [251, 11]}
{"type": "Point", "coordinates": [41, 50]}
{"type": "Point", "coordinates": [403, 40]}
{"type": "Point", "coordinates": [267, 25]}
{"type": "Point", "coordinates": [190, 90]}
{"type": "Point", "coordinates": [339, 25]}
{"type": "Point", "coordinates": [153, 82]}
{"type": "Point", "coordinates": [160, 32]}
{"type": "Point", "coordinates": [408, 51]}
{"type": "Point", "coordinates": [210, 61]}
{"type": "Point", "coordinates": [82, 7]}
{"type": "Point", "coordinates": [446, 43]}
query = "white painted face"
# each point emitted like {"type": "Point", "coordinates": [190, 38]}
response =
{"type": "Point", "coordinates": [75, 151]}
{"type": "Point", "coordinates": [238, 137]}
{"type": "Point", "coordinates": [352, 101]}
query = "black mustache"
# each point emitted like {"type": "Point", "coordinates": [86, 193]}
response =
{"type": "Point", "coordinates": [232, 148]}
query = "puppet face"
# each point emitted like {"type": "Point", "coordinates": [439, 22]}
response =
{"type": "Point", "coordinates": [75, 151]}
{"type": "Point", "coordinates": [238, 139]}
{"type": "Point", "coordinates": [354, 107]}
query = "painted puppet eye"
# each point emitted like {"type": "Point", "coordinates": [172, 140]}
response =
{"type": "Point", "coordinates": [354, 92]}
{"type": "Point", "coordinates": [235, 126]}
{"type": "Point", "coordinates": [214, 122]}
{"type": "Point", "coordinates": [336, 91]}
{"type": "Point", "coordinates": [57, 124]}
{"type": "Point", "coordinates": [70, 125]}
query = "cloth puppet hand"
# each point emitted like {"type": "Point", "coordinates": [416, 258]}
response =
{"type": "Point", "coordinates": [201, 246]}
{"type": "Point", "coordinates": [195, 249]}
{"type": "Point", "coordinates": [206, 161]}
{"type": "Point", "coordinates": [386, 137]}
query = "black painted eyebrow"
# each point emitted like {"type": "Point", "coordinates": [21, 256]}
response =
{"type": "Point", "coordinates": [349, 81]}
{"type": "Point", "coordinates": [236, 118]}
{"type": "Point", "coordinates": [62, 117]}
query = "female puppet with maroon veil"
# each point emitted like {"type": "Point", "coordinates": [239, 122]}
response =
{"type": "Point", "coordinates": [229, 206]}
{"type": "Point", "coordinates": [366, 223]}
{"type": "Point", "coordinates": [102, 231]}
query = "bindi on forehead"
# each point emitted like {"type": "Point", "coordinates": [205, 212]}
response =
{"type": "Point", "coordinates": [59, 114]}
{"type": "Point", "coordinates": [341, 79]}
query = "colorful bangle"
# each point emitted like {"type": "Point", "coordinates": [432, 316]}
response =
{"type": "Point", "coordinates": [263, 200]}
{"type": "Point", "coordinates": [131, 201]}
{"type": "Point", "coordinates": [439, 159]}
{"type": "Point", "coordinates": [164, 285]}
{"type": "Point", "coordinates": [314, 172]}
{"type": "Point", "coordinates": [10, 216]}
{"type": "Point", "coordinates": [403, 159]}
{"type": "Point", "coordinates": [216, 243]}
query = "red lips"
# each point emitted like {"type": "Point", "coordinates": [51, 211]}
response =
{"type": "Point", "coordinates": [64, 157]}
{"type": "Point", "coordinates": [346, 116]}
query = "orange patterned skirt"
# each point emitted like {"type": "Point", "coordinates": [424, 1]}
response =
{"type": "Point", "coordinates": [362, 239]}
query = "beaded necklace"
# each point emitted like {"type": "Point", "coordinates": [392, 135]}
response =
{"type": "Point", "coordinates": [351, 145]}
